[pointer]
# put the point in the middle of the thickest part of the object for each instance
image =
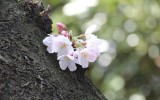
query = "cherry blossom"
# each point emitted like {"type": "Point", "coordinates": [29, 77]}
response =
{"type": "Point", "coordinates": [63, 45]}
{"type": "Point", "coordinates": [67, 61]}
{"type": "Point", "coordinates": [85, 56]}
{"type": "Point", "coordinates": [72, 50]}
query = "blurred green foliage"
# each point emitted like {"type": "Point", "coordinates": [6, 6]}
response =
{"type": "Point", "coordinates": [129, 67]}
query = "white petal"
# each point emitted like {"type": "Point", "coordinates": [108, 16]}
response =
{"type": "Point", "coordinates": [76, 61]}
{"type": "Point", "coordinates": [70, 48]}
{"type": "Point", "coordinates": [83, 61]}
{"type": "Point", "coordinates": [50, 50]}
{"type": "Point", "coordinates": [48, 41]}
{"type": "Point", "coordinates": [61, 57]}
{"type": "Point", "coordinates": [70, 57]}
{"type": "Point", "coordinates": [94, 50]}
{"type": "Point", "coordinates": [93, 42]}
{"type": "Point", "coordinates": [97, 51]}
{"type": "Point", "coordinates": [75, 55]}
{"type": "Point", "coordinates": [56, 46]}
{"type": "Point", "coordinates": [62, 52]}
{"type": "Point", "coordinates": [72, 66]}
{"type": "Point", "coordinates": [63, 39]}
{"type": "Point", "coordinates": [53, 46]}
{"type": "Point", "coordinates": [63, 64]}
{"type": "Point", "coordinates": [92, 57]}
{"type": "Point", "coordinates": [91, 29]}
{"type": "Point", "coordinates": [67, 41]}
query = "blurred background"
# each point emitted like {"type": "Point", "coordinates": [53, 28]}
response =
{"type": "Point", "coordinates": [129, 66]}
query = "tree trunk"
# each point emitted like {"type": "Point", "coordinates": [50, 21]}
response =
{"type": "Point", "coordinates": [27, 71]}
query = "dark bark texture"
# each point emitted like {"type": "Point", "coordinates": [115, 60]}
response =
{"type": "Point", "coordinates": [27, 71]}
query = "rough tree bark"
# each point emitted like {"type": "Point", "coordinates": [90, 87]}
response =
{"type": "Point", "coordinates": [27, 71]}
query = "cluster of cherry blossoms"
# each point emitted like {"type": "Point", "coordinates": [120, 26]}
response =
{"type": "Point", "coordinates": [72, 50]}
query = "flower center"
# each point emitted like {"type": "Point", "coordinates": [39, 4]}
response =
{"type": "Point", "coordinates": [85, 54]}
{"type": "Point", "coordinates": [67, 58]}
{"type": "Point", "coordinates": [64, 46]}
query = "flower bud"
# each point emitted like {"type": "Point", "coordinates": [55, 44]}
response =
{"type": "Point", "coordinates": [65, 33]}
{"type": "Point", "coordinates": [61, 27]}
{"type": "Point", "coordinates": [83, 36]}
{"type": "Point", "coordinates": [84, 44]}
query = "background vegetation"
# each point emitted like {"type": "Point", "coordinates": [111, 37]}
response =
{"type": "Point", "coordinates": [129, 66]}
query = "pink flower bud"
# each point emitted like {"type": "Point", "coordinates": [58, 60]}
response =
{"type": "Point", "coordinates": [61, 27]}
{"type": "Point", "coordinates": [65, 33]}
